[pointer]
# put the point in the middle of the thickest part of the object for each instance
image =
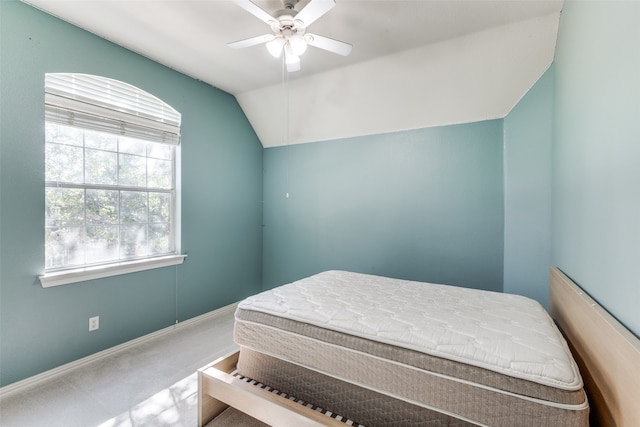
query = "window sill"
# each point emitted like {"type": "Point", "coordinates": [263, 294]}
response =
{"type": "Point", "coordinates": [88, 273]}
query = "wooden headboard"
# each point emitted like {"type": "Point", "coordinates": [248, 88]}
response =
{"type": "Point", "coordinates": [607, 353]}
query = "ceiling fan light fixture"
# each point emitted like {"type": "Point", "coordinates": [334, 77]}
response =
{"type": "Point", "coordinates": [290, 57]}
{"type": "Point", "coordinates": [291, 60]}
{"type": "Point", "coordinates": [275, 46]}
{"type": "Point", "coordinates": [298, 45]}
{"type": "Point", "coordinates": [289, 31]}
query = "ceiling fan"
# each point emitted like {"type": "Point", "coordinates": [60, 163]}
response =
{"type": "Point", "coordinates": [289, 31]}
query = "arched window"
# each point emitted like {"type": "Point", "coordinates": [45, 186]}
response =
{"type": "Point", "coordinates": [110, 179]}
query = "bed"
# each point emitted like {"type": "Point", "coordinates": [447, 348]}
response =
{"type": "Point", "coordinates": [382, 351]}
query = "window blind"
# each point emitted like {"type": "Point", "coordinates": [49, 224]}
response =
{"type": "Point", "coordinates": [106, 105]}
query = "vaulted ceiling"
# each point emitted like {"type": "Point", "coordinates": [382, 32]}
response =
{"type": "Point", "coordinates": [414, 63]}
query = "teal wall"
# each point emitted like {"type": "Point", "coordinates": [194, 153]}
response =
{"type": "Point", "coordinates": [596, 156]}
{"type": "Point", "coordinates": [528, 134]}
{"type": "Point", "coordinates": [221, 203]}
{"type": "Point", "coordinates": [423, 205]}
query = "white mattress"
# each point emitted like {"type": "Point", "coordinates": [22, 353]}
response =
{"type": "Point", "coordinates": [504, 333]}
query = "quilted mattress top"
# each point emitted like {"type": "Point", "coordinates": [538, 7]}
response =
{"type": "Point", "coordinates": [505, 333]}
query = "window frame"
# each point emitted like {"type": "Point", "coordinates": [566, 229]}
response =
{"type": "Point", "coordinates": [66, 100]}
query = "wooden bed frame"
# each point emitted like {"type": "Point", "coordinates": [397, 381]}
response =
{"type": "Point", "coordinates": [218, 389]}
{"type": "Point", "coordinates": [607, 353]}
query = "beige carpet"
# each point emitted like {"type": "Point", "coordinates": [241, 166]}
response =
{"type": "Point", "coordinates": [231, 417]}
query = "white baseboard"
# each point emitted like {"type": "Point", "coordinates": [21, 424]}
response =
{"type": "Point", "coordinates": [60, 370]}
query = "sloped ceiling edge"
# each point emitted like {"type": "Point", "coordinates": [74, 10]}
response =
{"type": "Point", "coordinates": [467, 79]}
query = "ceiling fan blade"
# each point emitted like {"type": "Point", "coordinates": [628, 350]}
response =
{"type": "Point", "coordinates": [312, 11]}
{"type": "Point", "coordinates": [335, 46]}
{"type": "Point", "coordinates": [241, 44]}
{"type": "Point", "coordinates": [256, 11]}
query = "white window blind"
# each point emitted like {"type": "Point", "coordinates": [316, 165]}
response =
{"type": "Point", "coordinates": [106, 105]}
{"type": "Point", "coordinates": [110, 179]}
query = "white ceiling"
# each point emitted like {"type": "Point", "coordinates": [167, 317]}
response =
{"type": "Point", "coordinates": [398, 45]}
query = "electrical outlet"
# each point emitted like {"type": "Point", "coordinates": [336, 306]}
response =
{"type": "Point", "coordinates": [94, 323]}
